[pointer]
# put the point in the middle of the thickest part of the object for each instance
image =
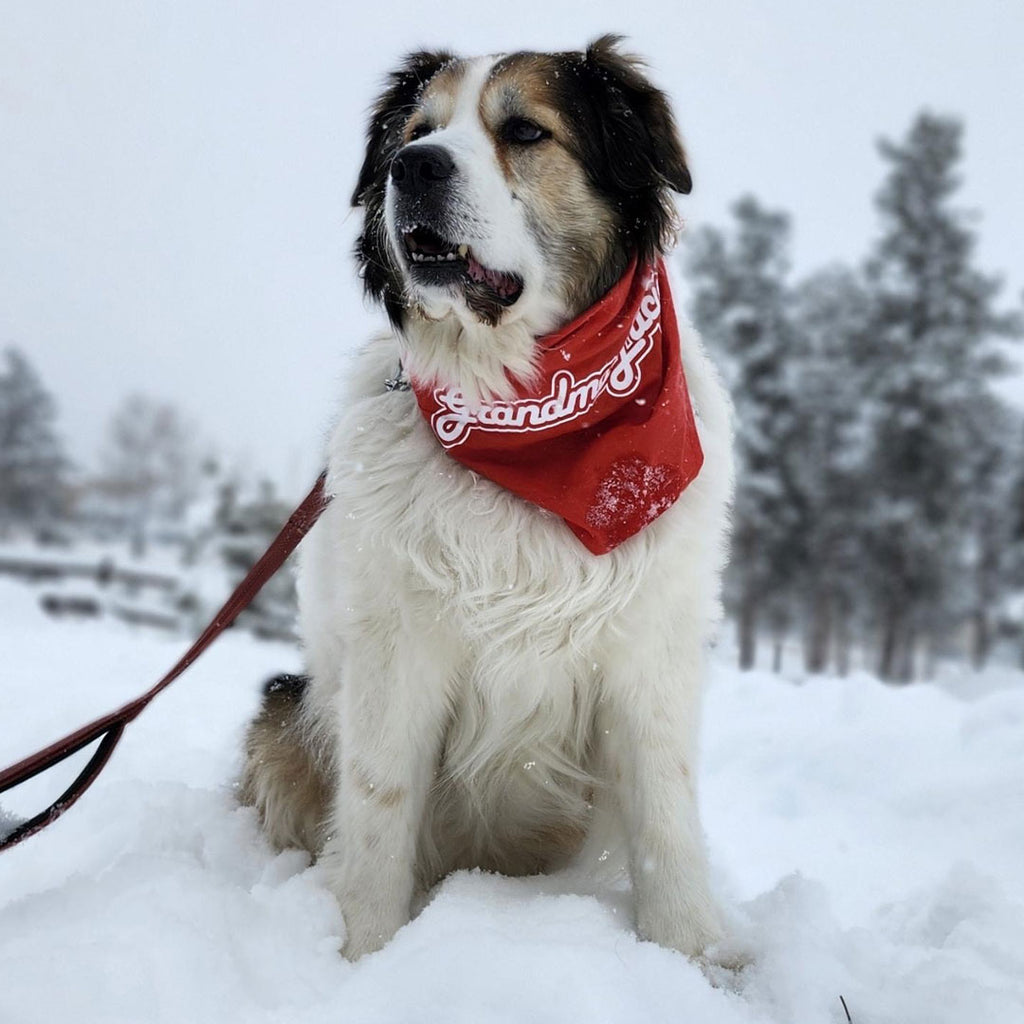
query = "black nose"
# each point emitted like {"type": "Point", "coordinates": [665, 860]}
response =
{"type": "Point", "coordinates": [417, 169]}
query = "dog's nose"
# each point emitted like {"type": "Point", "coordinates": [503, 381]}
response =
{"type": "Point", "coordinates": [418, 168]}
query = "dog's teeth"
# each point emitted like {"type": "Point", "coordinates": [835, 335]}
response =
{"type": "Point", "coordinates": [439, 257]}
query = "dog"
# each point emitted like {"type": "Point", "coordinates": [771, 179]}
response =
{"type": "Point", "coordinates": [494, 680]}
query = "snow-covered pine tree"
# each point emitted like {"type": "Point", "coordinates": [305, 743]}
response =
{"type": "Point", "coordinates": [33, 464]}
{"type": "Point", "coordinates": [830, 454]}
{"type": "Point", "coordinates": [740, 303]}
{"type": "Point", "coordinates": [935, 328]}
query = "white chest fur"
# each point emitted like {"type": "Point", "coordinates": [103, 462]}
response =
{"type": "Point", "coordinates": [479, 676]}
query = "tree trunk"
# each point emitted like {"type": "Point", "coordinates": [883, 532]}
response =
{"type": "Point", "coordinates": [930, 656]}
{"type": "Point", "coordinates": [981, 641]}
{"type": "Point", "coordinates": [747, 627]}
{"type": "Point", "coordinates": [890, 642]}
{"type": "Point", "coordinates": [777, 655]}
{"type": "Point", "coordinates": [905, 662]}
{"type": "Point", "coordinates": [842, 649]}
{"type": "Point", "coordinates": [818, 633]}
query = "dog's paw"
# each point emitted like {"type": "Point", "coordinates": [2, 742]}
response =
{"type": "Point", "coordinates": [725, 964]}
{"type": "Point", "coordinates": [692, 930]}
{"type": "Point", "coordinates": [359, 944]}
{"type": "Point", "coordinates": [370, 923]}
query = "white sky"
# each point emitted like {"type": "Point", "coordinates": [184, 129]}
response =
{"type": "Point", "coordinates": [174, 177]}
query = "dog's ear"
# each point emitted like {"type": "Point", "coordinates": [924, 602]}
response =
{"type": "Point", "coordinates": [640, 138]}
{"type": "Point", "coordinates": [390, 112]}
{"type": "Point", "coordinates": [381, 278]}
{"type": "Point", "coordinates": [628, 143]}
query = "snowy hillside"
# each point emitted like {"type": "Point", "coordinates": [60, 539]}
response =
{"type": "Point", "coordinates": [867, 840]}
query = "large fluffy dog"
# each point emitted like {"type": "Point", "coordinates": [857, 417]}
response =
{"type": "Point", "coordinates": [482, 689]}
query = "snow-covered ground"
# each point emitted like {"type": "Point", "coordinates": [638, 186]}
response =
{"type": "Point", "coordinates": [868, 841]}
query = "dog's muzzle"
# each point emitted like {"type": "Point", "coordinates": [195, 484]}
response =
{"type": "Point", "coordinates": [423, 178]}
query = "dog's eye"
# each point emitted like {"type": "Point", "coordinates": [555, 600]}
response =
{"type": "Point", "coordinates": [523, 132]}
{"type": "Point", "coordinates": [419, 131]}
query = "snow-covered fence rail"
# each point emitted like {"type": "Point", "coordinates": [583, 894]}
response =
{"type": "Point", "coordinates": [101, 588]}
{"type": "Point", "coordinates": [98, 588]}
{"type": "Point", "coordinates": [104, 571]}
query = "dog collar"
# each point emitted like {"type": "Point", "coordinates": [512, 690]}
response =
{"type": "Point", "coordinates": [605, 438]}
{"type": "Point", "coordinates": [399, 382]}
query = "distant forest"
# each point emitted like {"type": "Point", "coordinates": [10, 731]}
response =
{"type": "Point", "coordinates": [880, 490]}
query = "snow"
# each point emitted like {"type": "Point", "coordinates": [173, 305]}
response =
{"type": "Point", "coordinates": [866, 841]}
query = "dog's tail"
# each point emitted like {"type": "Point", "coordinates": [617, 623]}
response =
{"type": "Point", "coordinates": [284, 778]}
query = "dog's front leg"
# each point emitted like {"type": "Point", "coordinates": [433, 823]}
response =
{"type": "Point", "coordinates": [391, 723]}
{"type": "Point", "coordinates": [650, 722]}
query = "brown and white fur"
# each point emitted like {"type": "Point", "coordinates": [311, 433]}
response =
{"type": "Point", "coordinates": [482, 691]}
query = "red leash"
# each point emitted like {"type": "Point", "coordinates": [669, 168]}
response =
{"type": "Point", "coordinates": [111, 726]}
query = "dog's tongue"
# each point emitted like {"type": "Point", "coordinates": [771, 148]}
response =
{"type": "Point", "coordinates": [503, 284]}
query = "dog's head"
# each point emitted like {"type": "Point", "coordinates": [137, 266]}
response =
{"type": "Point", "coordinates": [514, 189]}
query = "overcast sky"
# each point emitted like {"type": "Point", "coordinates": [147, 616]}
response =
{"type": "Point", "coordinates": [174, 177]}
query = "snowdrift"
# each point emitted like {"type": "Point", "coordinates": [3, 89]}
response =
{"type": "Point", "coordinates": [866, 840]}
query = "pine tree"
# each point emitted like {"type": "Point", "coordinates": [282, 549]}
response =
{"type": "Point", "coordinates": [934, 330]}
{"type": "Point", "coordinates": [740, 304]}
{"type": "Point", "coordinates": [33, 465]}
{"type": "Point", "coordinates": [830, 453]}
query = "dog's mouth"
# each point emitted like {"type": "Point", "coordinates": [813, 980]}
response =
{"type": "Point", "coordinates": [436, 260]}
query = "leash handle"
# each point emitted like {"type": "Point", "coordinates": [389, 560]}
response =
{"type": "Point", "coordinates": [23, 771]}
{"type": "Point", "coordinates": [110, 727]}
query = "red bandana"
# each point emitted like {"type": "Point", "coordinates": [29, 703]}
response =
{"type": "Point", "coordinates": [606, 437]}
